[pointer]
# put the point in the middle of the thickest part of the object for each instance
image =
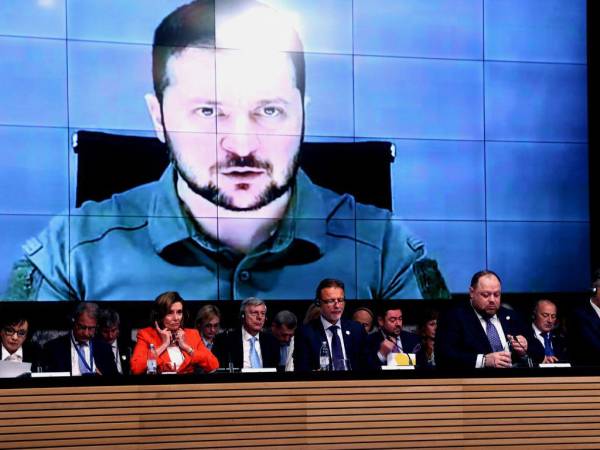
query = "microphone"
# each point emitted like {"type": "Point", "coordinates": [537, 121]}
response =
{"type": "Point", "coordinates": [229, 360]}
{"type": "Point", "coordinates": [415, 350]}
{"type": "Point", "coordinates": [525, 356]}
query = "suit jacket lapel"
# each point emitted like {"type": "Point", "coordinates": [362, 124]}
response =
{"type": "Point", "coordinates": [506, 321]}
{"type": "Point", "coordinates": [475, 325]}
{"type": "Point", "coordinates": [348, 338]}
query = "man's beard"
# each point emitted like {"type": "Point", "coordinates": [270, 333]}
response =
{"type": "Point", "coordinates": [213, 194]}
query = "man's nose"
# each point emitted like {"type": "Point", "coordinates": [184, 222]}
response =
{"type": "Point", "coordinates": [239, 137]}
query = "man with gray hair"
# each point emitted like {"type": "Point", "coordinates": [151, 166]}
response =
{"type": "Point", "coordinates": [283, 328]}
{"type": "Point", "coordinates": [248, 347]}
{"type": "Point", "coordinates": [78, 352]}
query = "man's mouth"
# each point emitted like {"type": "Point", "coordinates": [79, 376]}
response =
{"type": "Point", "coordinates": [242, 173]}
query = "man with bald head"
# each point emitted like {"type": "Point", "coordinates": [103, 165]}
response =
{"type": "Point", "coordinates": [481, 333]}
{"type": "Point", "coordinates": [545, 344]}
{"type": "Point", "coordinates": [234, 215]}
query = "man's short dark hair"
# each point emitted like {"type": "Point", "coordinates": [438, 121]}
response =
{"type": "Point", "coordinates": [193, 25]}
{"type": "Point", "coordinates": [483, 273]}
{"type": "Point", "coordinates": [108, 318]}
{"type": "Point", "coordinates": [12, 318]}
{"type": "Point", "coordinates": [327, 283]}
{"type": "Point", "coordinates": [286, 318]}
{"type": "Point", "coordinates": [386, 307]}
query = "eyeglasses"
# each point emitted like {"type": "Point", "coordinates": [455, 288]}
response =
{"type": "Point", "coordinates": [331, 301]}
{"type": "Point", "coordinates": [84, 328]}
{"type": "Point", "coordinates": [11, 332]}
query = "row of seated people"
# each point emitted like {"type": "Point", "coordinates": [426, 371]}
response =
{"type": "Point", "coordinates": [480, 333]}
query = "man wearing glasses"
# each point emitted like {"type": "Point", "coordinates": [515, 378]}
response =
{"type": "Point", "coordinates": [248, 347]}
{"type": "Point", "coordinates": [345, 339]}
{"type": "Point", "coordinates": [14, 329]}
{"type": "Point", "coordinates": [78, 352]}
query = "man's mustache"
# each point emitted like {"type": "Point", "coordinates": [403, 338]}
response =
{"type": "Point", "coordinates": [249, 161]}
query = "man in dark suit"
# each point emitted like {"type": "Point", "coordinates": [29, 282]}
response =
{"type": "Point", "coordinates": [248, 347]}
{"type": "Point", "coordinates": [391, 338]}
{"type": "Point", "coordinates": [283, 329]}
{"type": "Point", "coordinates": [346, 339]}
{"type": "Point", "coordinates": [480, 333]}
{"type": "Point", "coordinates": [109, 328]}
{"type": "Point", "coordinates": [14, 331]}
{"type": "Point", "coordinates": [584, 328]}
{"type": "Point", "coordinates": [545, 344]}
{"type": "Point", "coordinates": [78, 352]}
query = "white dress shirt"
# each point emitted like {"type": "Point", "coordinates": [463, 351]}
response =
{"type": "Point", "coordinates": [85, 350]}
{"type": "Point", "coordinates": [595, 308]}
{"type": "Point", "coordinates": [115, 349]}
{"type": "Point", "coordinates": [326, 325]}
{"type": "Point", "coordinates": [16, 356]}
{"type": "Point", "coordinates": [537, 333]}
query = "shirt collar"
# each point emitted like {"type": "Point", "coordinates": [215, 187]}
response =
{"type": "Point", "coordinates": [6, 353]}
{"type": "Point", "coordinates": [326, 324]}
{"type": "Point", "coordinates": [247, 336]}
{"type": "Point", "coordinates": [77, 343]}
{"type": "Point", "coordinates": [536, 330]}
{"type": "Point", "coordinates": [493, 319]}
{"type": "Point", "coordinates": [595, 308]}
{"type": "Point", "coordinates": [169, 222]}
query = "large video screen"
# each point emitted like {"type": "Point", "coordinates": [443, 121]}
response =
{"type": "Point", "coordinates": [484, 104]}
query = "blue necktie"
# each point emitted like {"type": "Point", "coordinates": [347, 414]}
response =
{"type": "Point", "coordinates": [83, 369]}
{"type": "Point", "coordinates": [283, 354]}
{"type": "Point", "coordinates": [547, 345]}
{"type": "Point", "coordinates": [336, 349]}
{"type": "Point", "coordinates": [493, 336]}
{"type": "Point", "coordinates": [254, 359]}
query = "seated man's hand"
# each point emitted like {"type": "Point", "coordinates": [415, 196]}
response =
{"type": "Point", "coordinates": [518, 344]}
{"type": "Point", "coordinates": [386, 347]}
{"type": "Point", "coordinates": [498, 360]}
{"type": "Point", "coordinates": [550, 360]}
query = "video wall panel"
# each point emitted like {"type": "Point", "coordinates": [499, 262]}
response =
{"type": "Point", "coordinates": [485, 103]}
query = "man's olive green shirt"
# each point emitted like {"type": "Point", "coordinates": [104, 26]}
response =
{"type": "Point", "coordinates": [143, 242]}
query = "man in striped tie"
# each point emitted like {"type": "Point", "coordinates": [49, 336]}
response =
{"type": "Point", "coordinates": [481, 333]}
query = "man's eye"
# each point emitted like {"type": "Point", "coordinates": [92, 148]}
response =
{"type": "Point", "coordinates": [270, 111]}
{"type": "Point", "coordinates": [206, 111]}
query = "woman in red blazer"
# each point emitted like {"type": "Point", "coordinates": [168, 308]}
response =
{"type": "Point", "coordinates": [179, 349]}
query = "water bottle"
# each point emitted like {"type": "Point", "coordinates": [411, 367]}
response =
{"type": "Point", "coordinates": [151, 367]}
{"type": "Point", "coordinates": [324, 356]}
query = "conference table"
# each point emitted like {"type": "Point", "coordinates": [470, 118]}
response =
{"type": "Point", "coordinates": [527, 408]}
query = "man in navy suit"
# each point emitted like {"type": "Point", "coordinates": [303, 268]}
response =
{"type": "Point", "coordinates": [109, 327]}
{"type": "Point", "coordinates": [545, 344]}
{"type": "Point", "coordinates": [248, 347]}
{"type": "Point", "coordinates": [480, 333]}
{"type": "Point", "coordinates": [584, 329]}
{"type": "Point", "coordinates": [391, 338]}
{"type": "Point", "coordinates": [78, 352]}
{"type": "Point", "coordinates": [347, 340]}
